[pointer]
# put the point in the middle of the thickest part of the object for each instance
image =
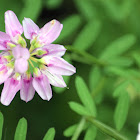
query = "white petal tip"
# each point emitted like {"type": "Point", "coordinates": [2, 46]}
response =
{"type": "Point", "coordinates": [5, 103]}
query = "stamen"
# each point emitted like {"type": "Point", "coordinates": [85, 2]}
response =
{"type": "Point", "coordinates": [31, 48]}
{"type": "Point", "coordinates": [34, 59]}
{"type": "Point", "coordinates": [35, 53]}
{"type": "Point", "coordinates": [39, 52]}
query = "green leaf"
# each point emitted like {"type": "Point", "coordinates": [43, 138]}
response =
{"type": "Point", "coordinates": [31, 9]}
{"type": "Point", "coordinates": [68, 30]}
{"type": "Point", "coordinates": [121, 110]}
{"type": "Point", "coordinates": [85, 96]}
{"type": "Point", "coordinates": [126, 8]}
{"type": "Point", "coordinates": [130, 74]}
{"type": "Point", "coordinates": [79, 109]}
{"type": "Point", "coordinates": [50, 134]}
{"type": "Point", "coordinates": [118, 47]}
{"type": "Point", "coordinates": [120, 61]}
{"type": "Point", "coordinates": [70, 130]}
{"type": "Point", "coordinates": [94, 77]}
{"type": "Point", "coordinates": [88, 35]}
{"type": "Point", "coordinates": [86, 8]}
{"type": "Point", "coordinates": [136, 56]}
{"type": "Point", "coordinates": [53, 4]}
{"type": "Point", "coordinates": [118, 71]}
{"type": "Point", "coordinates": [122, 87]}
{"type": "Point", "coordinates": [90, 133]}
{"type": "Point", "coordinates": [1, 124]}
{"type": "Point", "coordinates": [21, 130]}
{"type": "Point", "coordinates": [96, 83]}
{"type": "Point", "coordinates": [136, 85]}
{"type": "Point", "coordinates": [118, 11]}
{"type": "Point", "coordinates": [134, 73]}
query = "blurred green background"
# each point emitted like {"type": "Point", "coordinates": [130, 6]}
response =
{"type": "Point", "coordinates": [90, 26]}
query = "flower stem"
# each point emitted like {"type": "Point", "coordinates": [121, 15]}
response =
{"type": "Point", "coordinates": [79, 129]}
{"type": "Point", "coordinates": [78, 58]}
{"type": "Point", "coordinates": [88, 56]}
{"type": "Point", "coordinates": [106, 129]}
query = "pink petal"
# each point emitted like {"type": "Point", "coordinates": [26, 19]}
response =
{"type": "Point", "coordinates": [11, 87]}
{"type": "Point", "coordinates": [3, 46]}
{"type": "Point", "coordinates": [50, 32]}
{"type": "Point", "coordinates": [20, 52]}
{"type": "Point", "coordinates": [4, 37]}
{"type": "Point", "coordinates": [54, 50]}
{"type": "Point", "coordinates": [12, 24]}
{"type": "Point", "coordinates": [42, 86]}
{"type": "Point", "coordinates": [25, 53]}
{"type": "Point", "coordinates": [1, 60]}
{"type": "Point", "coordinates": [5, 72]}
{"type": "Point", "coordinates": [59, 66]}
{"type": "Point", "coordinates": [27, 91]}
{"type": "Point", "coordinates": [55, 80]}
{"type": "Point", "coordinates": [21, 65]}
{"type": "Point", "coordinates": [30, 28]}
{"type": "Point", "coordinates": [16, 52]}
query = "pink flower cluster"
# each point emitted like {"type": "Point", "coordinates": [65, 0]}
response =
{"type": "Point", "coordinates": [35, 68]}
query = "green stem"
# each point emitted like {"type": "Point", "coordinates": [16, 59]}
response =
{"type": "Point", "coordinates": [106, 129]}
{"type": "Point", "coordinates": [79, 129]}
{"type": "Point", "coordinates": [78, 58]}
{"type": "Point", "coordinates": [88, 56]}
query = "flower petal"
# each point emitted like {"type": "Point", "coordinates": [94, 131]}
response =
{"type": "Point", "coordinates": [59, 66]}
{"type": "Point", "coordinates": [21, 65]}
{"type": "Point", "coordinates": [55, 80]}
{"type": "Point", "coordinates": [24, 53]}
{"type": "Point", "coordinates": [3, 46]}
{"type": "Point", "coordinates": [138, 136]}
{"type": "Point", "coordinates": [139, 127]}
{"type": "Point", "coordinates": [54, 50]}
{"type": "Point", "coordinates": [4, 37]}
{"type": "Point", "coordinates": [50, 32]}
{"type": "Point", "coordinates": [42, 86]}
{"type": "Point", "coordinates": [5, 72]}
{"type": "Point", "coordinates": [20, 52]}
{"type": "Point", "coordinates": [30, 28]}
{"type": "Point", "coordinates": [12, 24]}
{"type": "Point", "coordinates": [11, 87]}
{"type": "Point", "coordinates": [27, 91]}
{"type": "Point", "coordinates": [16, 52]}
{"type": "Point", "coordinates": [1, 59]}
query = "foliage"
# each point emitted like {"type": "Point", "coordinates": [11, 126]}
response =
{"type": "Point", "coordinates": [21, 130]}
{"type": "Point", "coordinates": [102, 42]}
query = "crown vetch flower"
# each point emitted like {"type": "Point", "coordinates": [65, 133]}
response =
{"type": "Point", "coordinates": [36, 68]}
